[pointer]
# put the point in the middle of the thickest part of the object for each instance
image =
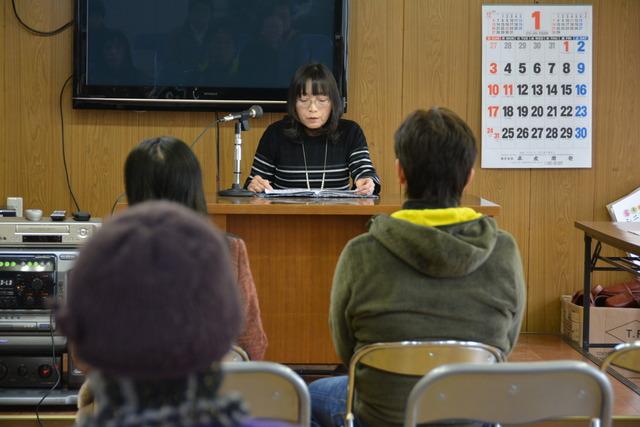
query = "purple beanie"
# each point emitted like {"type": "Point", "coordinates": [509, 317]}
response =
{"type": "Point", "coordinates": [152, 295]}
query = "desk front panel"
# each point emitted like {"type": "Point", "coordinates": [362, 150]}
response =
{"type": "Point", "coordinates": [293, 258]}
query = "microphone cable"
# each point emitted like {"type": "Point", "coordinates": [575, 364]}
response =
{"type": "Point", "coordinates": [39, 32]}
{"type": "Point", "coordinates": [115, 203]}
{"type": "Point", "coordinates": [64, 153]}
{"type": "Point", "coordinates": [205, 130]}
{"type": "Point", "coordinates": [215, 123]}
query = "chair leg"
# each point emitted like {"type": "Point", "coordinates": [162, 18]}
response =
{"type": "Point", "coordinates": [348, 420]}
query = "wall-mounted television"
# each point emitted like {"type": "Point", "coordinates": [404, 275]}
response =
{"type": "Point", "coordinates": [202, 54]}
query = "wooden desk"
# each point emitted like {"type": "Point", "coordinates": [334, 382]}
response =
{"type": "Point", "coordinates": [619, 235]}
{"type": "Point", "coordinates": [293, 247]}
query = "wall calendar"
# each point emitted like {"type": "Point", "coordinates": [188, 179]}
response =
{"type": "Point", "coordinates": [536, 86]}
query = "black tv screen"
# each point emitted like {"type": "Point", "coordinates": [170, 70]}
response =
{"type": "Point", "coordinates": [202, 54]}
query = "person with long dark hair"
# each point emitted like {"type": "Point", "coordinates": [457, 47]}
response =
{"type": "Point", "coordinates": [313, 147]}
{"type": "Point", "coordinates": [166, 168]}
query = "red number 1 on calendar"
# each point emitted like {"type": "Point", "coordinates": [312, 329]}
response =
{"type": "Point", "coordinates": [536, 19]}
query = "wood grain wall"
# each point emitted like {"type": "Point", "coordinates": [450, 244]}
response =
{"type": "Point", "coordinates": [404, 54]}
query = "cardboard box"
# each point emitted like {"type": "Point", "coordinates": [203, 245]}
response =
{"type": "Point", "coordinates": [606, 325]}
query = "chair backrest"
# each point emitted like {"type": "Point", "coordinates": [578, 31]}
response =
{"type": "Point", "coordinates": [511, 393]}
{"type": "Point", "coordinates": [415, 358]}
{"type": "Point", "coordinates": [270, 390]}
{"type": "Point", "coordinates": [236, 354]}
{"type": "Point", "coordinates": [625, 356]}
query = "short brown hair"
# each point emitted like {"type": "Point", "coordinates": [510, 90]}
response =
{"type": "Point", "coordinates": [436, 150]}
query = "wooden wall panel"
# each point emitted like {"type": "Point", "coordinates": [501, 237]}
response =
{"type": "Point", "coordinates": [375, 80]}
{"type": "Point", "coordinates": [555, 248]}
{"type": "Point", "coordinates": [434, 70]}
{"type": "Point", "coordinates": [616, 100]}
{"type": "Point", "coordinates": [101, 140]}
{"type": "Point", "coordinates": [617, 103]}
{"type": "Point", "coordinates": [4, 148]}
{"type": "Point", "coordinates": [507, 187]}
{"type": "Point", "coordinates": [34, 70]}
{"type": "Point", "coordinates": [583, 194]}
{"type": "Point", "coordinates": [404, 54]}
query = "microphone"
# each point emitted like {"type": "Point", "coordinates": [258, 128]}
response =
{"type": "Point", "coordinates": [252, 113]}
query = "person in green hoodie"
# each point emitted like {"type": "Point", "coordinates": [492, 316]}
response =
{"type": "Point", "coordinates": [431, 271]}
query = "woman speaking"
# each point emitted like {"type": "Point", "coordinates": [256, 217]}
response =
{"type": "Point", "coordinates": [312, 147]}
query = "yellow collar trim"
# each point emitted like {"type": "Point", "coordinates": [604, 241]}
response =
{"type": "Point", "coordinates": [436, 217]}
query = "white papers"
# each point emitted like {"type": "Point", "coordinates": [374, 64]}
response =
{"type": "Point", "coordinates": [314, 192]}
{"type": "Point", "coordinates": [627, 208]}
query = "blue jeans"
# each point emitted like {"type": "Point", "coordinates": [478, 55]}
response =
{"type": "Point", "coordinates": [329, 402]}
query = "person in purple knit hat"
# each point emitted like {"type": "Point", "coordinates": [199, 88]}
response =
{"type": "Point", "coordinates": [149, 315]}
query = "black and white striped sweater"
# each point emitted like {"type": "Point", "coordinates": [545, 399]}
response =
{"type": "Point", "coordinates": [281, 160]}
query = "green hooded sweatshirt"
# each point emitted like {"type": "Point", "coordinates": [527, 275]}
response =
{"type": "Point", "coordinates": [429, 274]}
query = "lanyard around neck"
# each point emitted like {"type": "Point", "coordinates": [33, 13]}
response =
{"type": "Point", "coordinates": [324, 168]}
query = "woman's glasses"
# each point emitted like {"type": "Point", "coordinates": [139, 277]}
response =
{"type": "Point", "coordinates": [320, 101]}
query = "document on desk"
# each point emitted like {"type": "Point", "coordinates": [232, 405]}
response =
{"type": "Point", "coordinates": [314, 192]}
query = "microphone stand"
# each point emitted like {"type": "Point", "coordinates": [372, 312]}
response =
{"type": "Point", "coordinates": [236, 189]}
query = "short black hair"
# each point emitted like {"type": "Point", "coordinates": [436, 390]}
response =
{"type": "Point", "coordinates": [322, 83]}
{"type": "Point", "coordinates": [436, 150]}
{"type": "Point", "coordinates": [164, 168]}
